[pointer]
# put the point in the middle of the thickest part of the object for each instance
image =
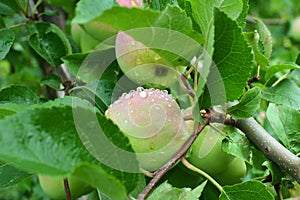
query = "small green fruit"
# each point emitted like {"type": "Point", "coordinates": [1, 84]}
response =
{"type": "Point", "coordinates": [99, 30]}
{"type": "Point", "coordinates": [76, 32]}
{"type": "Point", "coordinates": [87, 42]}
{"type": "Point", "coordinates": [206, 152]}
{"type": "Point", "coordinates": [233, 173]}
{"type": "Point", "coordinates": [141, 64]}
{"type": "Point", "coordinates": [54, 186]}
{"type": "Point", "coordinates": [295, 29]}
{"type": "Point", "coordinates": [153, 123]}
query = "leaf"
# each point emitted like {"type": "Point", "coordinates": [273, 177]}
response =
{"type": "Point", "coordinates": [248, 104]}
{"type": "Point", "coordinates": [50, 145]}
{"type": "Point", "coordinates": [236, 144]}
{"type": "Point", "coordinates": [232, 8]}
{"type": "Point", "coordinates": [10, 175]}
{"type": "Point", "coordinates": [52, 80]}
{"type": "Point", "coordinates": [284, 122]}
{"type": "Point", "coordinates": [275, 172]}
{"type": "Point", "coordinates": [277, 68]}
{"type": "Point", "coordinates": [162, 4]}
{"type": "Point", "coordinates": [248, 190]}
{"type": "Point", "coordinates": [87, 10]}
{"type": "Point", "coordinates": [8, 7]}
{"type": "Point", "coordinates": [7, 38]}
{"type": "Point", "coordinates": [18, 94]}
{"type": "Point", "coordinates": [253, 40]}
{"type": "Point", "coordinates": [241, 20]}
{"type": "Point", "coordinates": [74, 62]}
{"type": "Point", "coordinates": [285, 93]}
{"type": "Point", "coordinates": [49, 42]}
{"type": "Point", "coordinates": [5, 112]}
{"type": "Point", "coordinates": [167, 192]}
{"type": "Point", "coordinates": [265, 37]}
{"type": "Point", "coordinates": [233, 63]}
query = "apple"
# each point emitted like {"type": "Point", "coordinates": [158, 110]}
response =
{"type": "Point", "coordinates": [153, 123]}
{"type": "Point", "coordinates": [141, 64]}
{"type": "Point", "coordinates": [233, 173]}
{"type": "Point", "coordinates": [206, 152]}
{"type": "Point", "coordinates": [294, 31]}
{"type": "Point", "coordinates": [54, 186]}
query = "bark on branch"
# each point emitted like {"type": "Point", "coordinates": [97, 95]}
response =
{"type": "Point", "coordinates": [272, 149]}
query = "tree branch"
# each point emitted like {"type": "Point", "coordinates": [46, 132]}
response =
{"type": "Point", "coordinates": [163, 170]}
{"type": "Point", "coordinates": [272, 149]}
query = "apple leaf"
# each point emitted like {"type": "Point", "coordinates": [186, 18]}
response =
{"type": "Point", "coordinates": [272, 70]}
{"type": "Point", "coordinates": [241, 20]}
{"type": "Point", "coordinates": [167, 192]}
{"type": "Point", "coordinates": [265, 37]}
{"type": "Point", "coordinates": [50, 42]}
{"type": "Point", "coordinates": [18, 94]}
{"type": "Point", "coordinates": [10, 175]}
{"type": "Point", "coordinates": [248, 190]}
{"type": "Point", "coordinates": [52, 80]}
{"type": "Point", "coordinates": [236, 144]}
{"type": "Point", "coordinates": [74, 62]}
{"type": "Point", "coordinates": [33, 134]}
{"type": "Point", "coordinates": [87, 10]}
{"type": "Point", "coordinates": [233, 63]}
{"type": "Point", "coordinates": [248, 104]}
{"type": "Point", "coordinates": [285, 93]}
{"type": "Point", "coordinates": [8, 7]}
{"type": "Point", "coordinates": [7, 38]}
{"type": "Point", "coordinates": [284, 121]}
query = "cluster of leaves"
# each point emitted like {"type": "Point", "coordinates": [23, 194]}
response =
{"type": "Point", "coordinates": [39, 136]}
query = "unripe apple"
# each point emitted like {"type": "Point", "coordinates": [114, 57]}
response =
{"type": "Point", "coordinates": [206, 152]}
{"type": "Point", "coordinates": [54, 186]}
{"type": "Point", "coordinates": [141, 64]}
{"type": "Point", "coordinates": [295, 29]}
{"type": "Point", "coordinates": [76, 32]}
{"type": "Point", "coordinates": [87, 42]}
{"type": "Point", "coordinates": [153, 123]}
{"type": "Point", "coordinates": [233, 173]}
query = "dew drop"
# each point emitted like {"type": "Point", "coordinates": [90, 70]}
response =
{"type": "Point", "coordinates": [138, 61]}
{"type": "Point", "coordinates": [126, 121]}
{"type": "Point", "coordinates": [118, 114]}
{"type": "Point", "coordinates": [143, 94]}
{"type": "Point", "coordinates": [139, 89]}
{"type": "Point", "coordinates": [150, 93]}
{"type": "Point", "coordinates": [128, 96]}
{"type": "Point", "coordinates": [152, 99]}
{"type": "Point", "coordinates": [132, 43]}
{"type": "Point", "coordinates": [169, 105]}
{"type": "Point", "coordinates": [131, 111]}
{"type": "Point", "coordinates": [157, 107]}
{"type": "Point", "coordinates": [167, 99]}
{"type": "Point", "coordinates": [165, 91]}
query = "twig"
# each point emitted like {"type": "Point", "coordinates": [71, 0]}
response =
{"type": "Point", "coordinates": [205, 175]}
{"type": "Point", "coordinates": [159, 174]}
{"type": "Point", "coordinates": [67, 189]}
{"type": "Point", "coordinates": [186, 86]}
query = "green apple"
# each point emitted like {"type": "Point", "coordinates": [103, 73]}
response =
{"type": "Point", "coordinates": [206, 152]}
{"type": "Point", "coordinates": [153, 123]}
{"type": "Point", "coordinates": [99, 30]}
{"type": "Point", "coordinates": [141, 64]}
{"type": "Point", "coordinates": [76, 32]}
{"type": "Point", "coordinates": [295, 29]}
{"type": "Point", "coordinates": [234, 173]}
{"type": "Point", "coordinates": [87, 42]}
{"type": "Point", "coordinates": [54, 186]}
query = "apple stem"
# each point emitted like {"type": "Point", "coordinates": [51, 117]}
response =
{"type": "Point", "coordinates": [199, 171]}
{"type": "Point", "coordinates": [67, 189]}
{"type": "Point", "coordinates": [163, 170]}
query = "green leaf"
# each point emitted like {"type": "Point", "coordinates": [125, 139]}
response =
{"type": "Point", "coordinates": [44, 140]}
{"type": "Point", "coordinates": [167, 192]}
{"type": "Point", "coordinates": [87, 10]}
{"type": "Point", "coordinates": [248, 104]}
{"type": "Point", "coordinates": [10, 175]}
{"type": "Point", "coordinates": [285, 93]}
{"type": "Point", "coordinates": [275, 172]}
{"type": "Point", "coordinates": [7, 38]}
{"type": "Point", "coordinates": [8, 7]}
{"type": "Point", "coordinates": [236, 144]}
{"type": "Point", "coordinates": [52, 80]}
{"type": "Point", "coordinates": [162, 4]}
{"type": "Point", "coordinates": [260, 58]}
{"type": "Point", "coordinates": [248, 190]}
{"type": "Point", "coordinates": [265, 37]}
{"type": "Point", "coordinates": [277, 68]}
{"type": "Point", "coordinates": [285, 123]}
{"type": "Point", "coordinates": [241, 20]}
{"type": "Point", "coordinates": [74, 62]}
{"type": "Point", "coordinates": [232, 8]}
{"type": "Point", "coordinates": [233, 60]}
{"type": "Point", "coordinates": [49, 42]}
{"type": "Point", "coordinates": [18, 94]}
{"type": "Point", "coordinates": [5, 112]}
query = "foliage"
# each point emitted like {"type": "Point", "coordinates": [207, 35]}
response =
{"type": "Point", "coordinates": [56, 83]}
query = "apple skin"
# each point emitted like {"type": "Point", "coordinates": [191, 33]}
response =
{"type": "Point", "coordinates": [153, 123]}
{"type": "Point", "coordinates": [54, 186]}
{"type": "Point", "coordinates": [141, 64]}
{"type": "Point", "coordinates": [294, 31]}
{"type": "Point", "coordinates": [206, 152]}
{"type": "Point", "coordinates": [233, 173]}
